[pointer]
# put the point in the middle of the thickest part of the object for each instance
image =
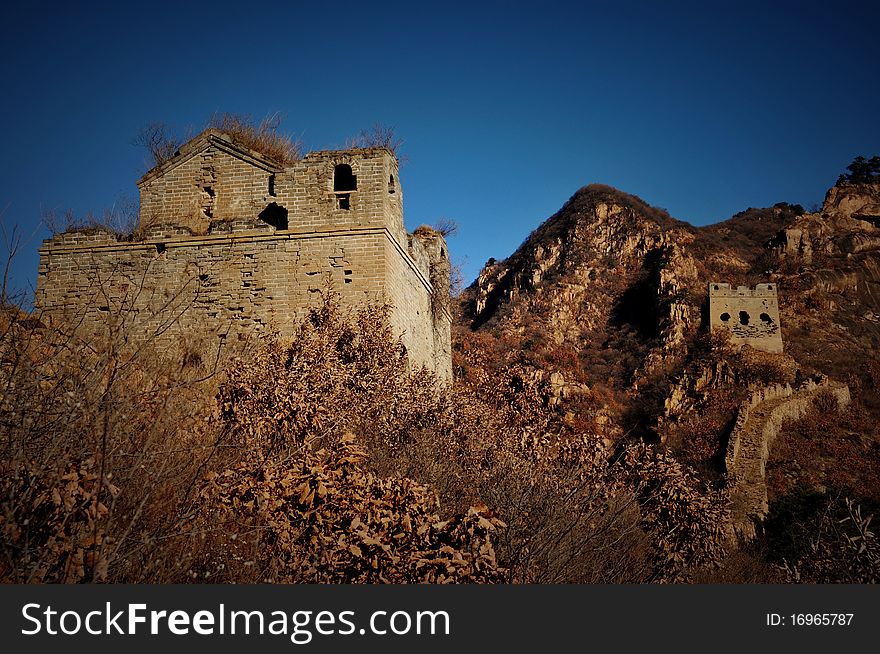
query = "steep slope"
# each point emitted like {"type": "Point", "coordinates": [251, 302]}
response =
{"type": "Point", "coordinates": [601, 284]}
{"type": "Point", "coordinates": [610, 294]}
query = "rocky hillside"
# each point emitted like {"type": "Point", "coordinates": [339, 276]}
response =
{"type": "Point", "coordinates": [606, 274]}
{"type": "Point", "coordinates": [609, 296]}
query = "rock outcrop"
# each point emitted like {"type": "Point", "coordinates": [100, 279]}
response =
{"type": "Point", "coordinates": [605, 262]}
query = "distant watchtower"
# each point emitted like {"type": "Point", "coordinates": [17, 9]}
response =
{"type": "Point", "coordinates": [751, 316]}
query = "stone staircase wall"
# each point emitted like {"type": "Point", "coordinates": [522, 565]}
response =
{"type": "Point", "coordinates": [759, 421]}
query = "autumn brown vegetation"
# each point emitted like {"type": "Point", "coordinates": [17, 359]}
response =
{"type": "Point", "coordinates": [264, 136]}
{"type": "Point", "coordinates": [324, 458]}
{"type": "Point", "coordinates": [377, 136]}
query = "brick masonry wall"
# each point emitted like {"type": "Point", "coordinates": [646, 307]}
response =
{"type": "Point", "coordinates": [223, 288]}
{"type": "Point", "coordinates": [242, 282]}
{"type": "Point", "coordinates": [750, 316]}
{"type": "Point", "coordinates": [426, 322]}
{"type": "Point", "coordinates": [206, 267]}
{"type": "Point", "coordinates": [207, 185]}
{"type": "Point", "coordinates": [759, 422]}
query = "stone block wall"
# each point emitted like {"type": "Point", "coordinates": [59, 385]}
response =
{"type": "Point", "coordinates": [751, 316]}
{"type": "Point", "coordinates": [211, 180]}
{"type": "Point", "coordinates": [427, 322]}
{"type": "Point", "coordinates": [758, 423]}
{"type": "Point", "coordinates": [306, 190]}
{"type": "Point", "coordinates": [225, 284]}
{"type": "Point", "coordinates": [230, 245]}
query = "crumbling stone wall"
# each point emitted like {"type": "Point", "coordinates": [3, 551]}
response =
{"type": "Point", "coordinates": [236, 271]}
{"type": "Point", "coordinates": [758, 423]}
{"type": "Point", "coordinates": [307, 190]}
{"type": "Point", "coordinates": [751, 316]}
{"type": "Point", "coordinates": [212, 179]}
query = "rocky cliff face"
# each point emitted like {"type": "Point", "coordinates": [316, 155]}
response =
{"type": "Point", "coordinates": [830, 263]}
{"type": "Point", "coordinates": [607, 266]}
{"type": "Point", "coordinates": [847, 224]}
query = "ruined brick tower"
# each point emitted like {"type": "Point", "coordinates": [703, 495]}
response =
{"type": "Point", "coordinates": [751, 316]}
{"type": "Point", "coordinates": [230, 243]}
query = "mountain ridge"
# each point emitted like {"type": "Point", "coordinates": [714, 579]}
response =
{"type": "Point", "coordinates": [609, 294]}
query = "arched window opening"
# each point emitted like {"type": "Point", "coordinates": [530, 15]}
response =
{"type": "Point", "coordinates": [725, 317]}
{"type": "Point", "coordinates": [765, 317]}
{"type": "Point", "coordinates": [272, 186]}
{"type": "Point", "coordinates": [744, 317]}
{"type": "Point", "coordinates": [344, 179]}
{"type": "Point", "coordinates": [391, 188]}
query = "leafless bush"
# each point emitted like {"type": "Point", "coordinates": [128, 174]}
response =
{"type": "Point", "coordinates": [842, 550]}
{"type": "Point", "coordinates": [263, 137]}
{"type": "Point", "coordinates": [378, 136]}
{"type": "Point", "coordinates": [103, 440]}
{"type": "Point", "coordinates": [121, 219]}
{"type": "Point", "coordinates": [159, 141]}
{"type": "Point", "coordinates": [85, 424]}
{"type": "Point", "coordinates": [446, 226]}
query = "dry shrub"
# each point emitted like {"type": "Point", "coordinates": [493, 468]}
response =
{"type": "Point", "coordinates": [53, 532]}
{"type": "Point", "coordinates": [872, 372]}
{"type": "Point", "coordinates": [263, 137]}
{"type": "Point", "coordinates": [321, 518]}
{"type": "Point", "coordinates": [563, 519]}
{"type": "Point", "coordinates": [698, 438]}
{"type": "Point", "coordinates": [686, 522]}
{"type": "Point", "coordinates": [340, 373]}
{"type": "Point", "coordinates": [301, 493]}
{"type": "Point", "coordinates": [571, 514]}
{"type": "Point", "coordinates": [378, 136]}
{"type": "Point", "coordinates": [327, 458]}
{"type": "Point", "coordinates": [159, 140]}
{"type": "Point", "coordinates": [840, 547]}
{"type": "Point", "coordinates": [86, 421]}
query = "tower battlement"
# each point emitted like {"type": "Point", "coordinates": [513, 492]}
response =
{"type": "Point", "coordinates": [751, 316]}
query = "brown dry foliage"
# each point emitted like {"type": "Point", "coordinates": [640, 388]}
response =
{"type": "Point", "coordinates": [323, 458]}
{"type": "Point", "coordinates": [321, 518]}
{"type": "Point", "coordinates": [686, 521]}
{"type": "Point", "coordinates": [842, 550]}
{"type": "Point", "coordinates": [85, 422]}
{"type": "Point", "coordinates": [263, 137]}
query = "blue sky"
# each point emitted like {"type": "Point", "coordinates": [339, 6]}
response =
{"type": "Point", "coordinates": [505, 110]}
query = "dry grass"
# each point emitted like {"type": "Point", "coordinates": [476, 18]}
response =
{"type": "Point", "coordinates": [264, 137]}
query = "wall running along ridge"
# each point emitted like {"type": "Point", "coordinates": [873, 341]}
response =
{"type": "Point", "coordinates": [758, 422]}
{"type": "Point", "coordinates": [229, 246]}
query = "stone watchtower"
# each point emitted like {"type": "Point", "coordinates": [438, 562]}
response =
{"type": "Point", "coordinates": [751, 316]}
{"type": "Point", "coordinates": [232, 242]}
